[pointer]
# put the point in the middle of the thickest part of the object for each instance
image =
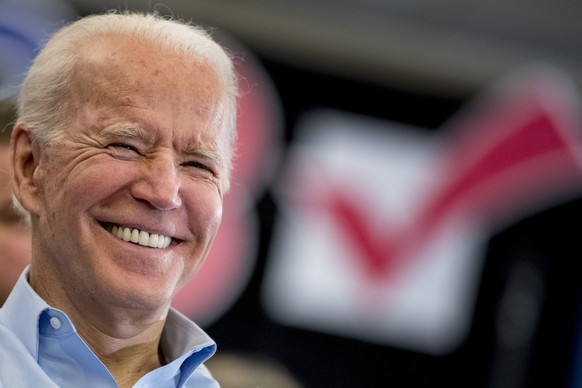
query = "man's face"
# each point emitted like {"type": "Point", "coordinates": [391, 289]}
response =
{"type": "Point", "coordinates": [143, 159]}
{"type": "Point", "coordinates": [14, 236]}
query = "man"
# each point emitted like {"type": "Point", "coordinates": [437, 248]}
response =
{"type": "Point", "coordinates": [14, 235]}
{"type": "Point", "coordinates": [121, 156]}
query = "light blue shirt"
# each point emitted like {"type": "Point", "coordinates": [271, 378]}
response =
{"type": "Point", "coordinates": [39, 347]}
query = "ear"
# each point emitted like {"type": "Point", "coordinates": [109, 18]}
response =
{"type": "Point", "coordinates": [24, 158]}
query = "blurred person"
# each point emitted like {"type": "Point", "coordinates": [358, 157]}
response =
{"type": "Point", "coordinates": [121, 156]}
{"type": "Point", "coordinates": [14, 234]}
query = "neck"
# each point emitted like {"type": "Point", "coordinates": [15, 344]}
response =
{"type": "Point", "coordinates": [127, 363]}
{"type": "Point", "coordinates": [125, 340]}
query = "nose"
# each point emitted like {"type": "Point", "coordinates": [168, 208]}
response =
{"type": "Point", "coordinates": [158, 184]}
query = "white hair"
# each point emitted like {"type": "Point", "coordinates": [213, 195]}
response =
{"type": "Point", "coordinates": [44, 103]}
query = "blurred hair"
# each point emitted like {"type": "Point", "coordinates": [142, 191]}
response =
{"type": "Point", "coordinates": [44, 104]}
{"type": "Point", "coordinates": [7, 118]}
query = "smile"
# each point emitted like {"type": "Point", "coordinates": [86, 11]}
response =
{"type": "Point", "coordinates": [136, 236]}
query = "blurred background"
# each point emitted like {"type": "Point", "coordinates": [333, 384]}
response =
{"type": "Point", "coordinates": [406, 205]}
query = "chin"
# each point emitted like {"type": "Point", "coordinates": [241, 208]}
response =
{"type": "Point", "coordinates": [141, 291]}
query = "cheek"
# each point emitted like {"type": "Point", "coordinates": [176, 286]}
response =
{"type": "Point", "coordinates": [215, 220]}
{"type": "Point", "coordinates": [205, 214]}
{"type": "Point", "coordinates": [88, 183]}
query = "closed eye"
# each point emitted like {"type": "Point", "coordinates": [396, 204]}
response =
{"type": "Point", "coordinates": [201, 169]}
{"type": "Point", "coordinates": [124, 145]}
{"type": "Point", "coordinates": [198, 165]}
{"type": "Point", "coordinates": [124, 150]}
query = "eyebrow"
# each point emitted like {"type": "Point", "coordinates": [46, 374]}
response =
{"type": "Point", "coordinates": [207, 153]}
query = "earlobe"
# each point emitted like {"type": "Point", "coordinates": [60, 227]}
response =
{"type": "Point", "coordinates": [24, 157]}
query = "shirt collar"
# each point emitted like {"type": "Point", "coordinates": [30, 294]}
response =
{"type": "Point", "coordinates": [181, 335]}
{"type": "Point", "coordinates": [184, 344]}
{"type": "Point", "coordinates": [21, 313]}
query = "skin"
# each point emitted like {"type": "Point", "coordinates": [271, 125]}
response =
{"type": "Point", "coordinates": [145, 148]}
{"type": "Point", "coordinates": [14, 236]}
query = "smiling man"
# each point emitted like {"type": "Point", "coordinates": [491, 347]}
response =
{"type": "Point", "coordinates": [121, 157]}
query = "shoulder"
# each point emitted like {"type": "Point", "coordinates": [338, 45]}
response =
{"type": "Point", "coordinates": [17, 364]}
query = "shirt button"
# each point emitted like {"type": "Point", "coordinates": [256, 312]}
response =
{"type": "Point", "coordinates": [55, 323]}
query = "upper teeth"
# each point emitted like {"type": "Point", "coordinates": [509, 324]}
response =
{"type": "Point", "coordinates": [140, 237]}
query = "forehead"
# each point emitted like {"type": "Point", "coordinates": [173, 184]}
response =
{"type": "Point", "coordinates": [116, 64]}
{"type": "Point", "coordinates": [117, 73]}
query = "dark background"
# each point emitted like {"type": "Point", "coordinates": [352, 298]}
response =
{"type": "Point", "coordinates": [549, 241]}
